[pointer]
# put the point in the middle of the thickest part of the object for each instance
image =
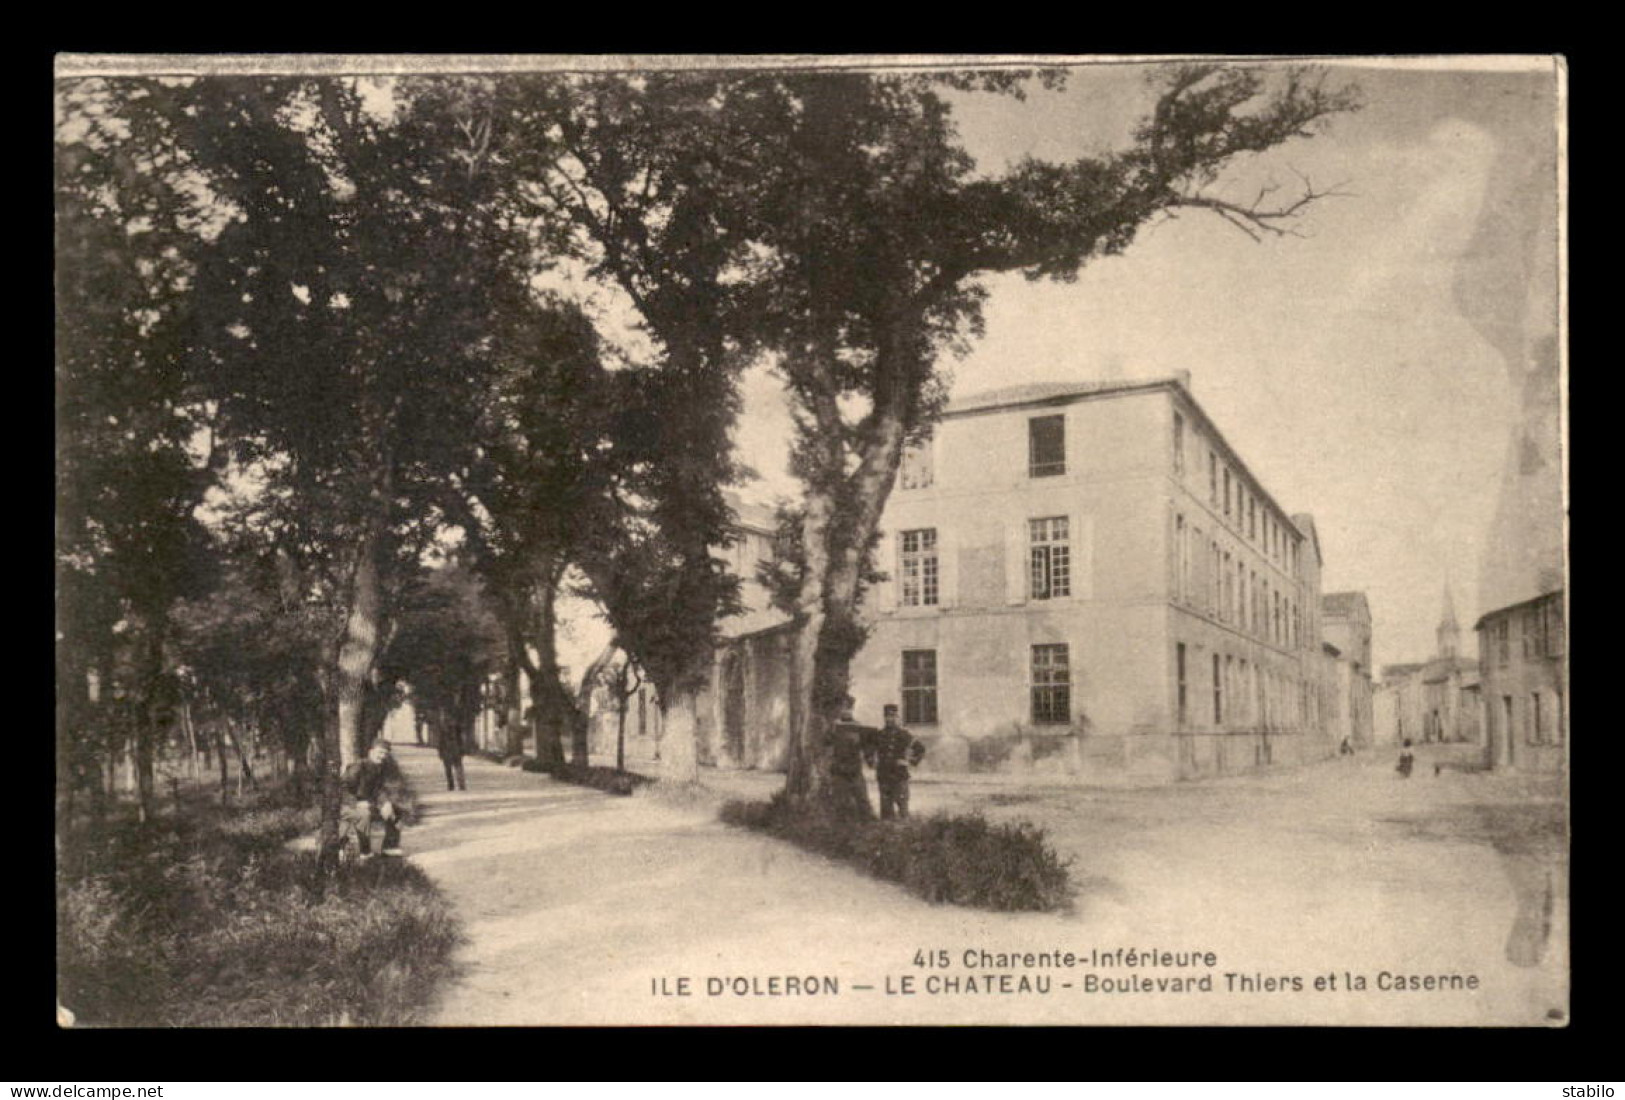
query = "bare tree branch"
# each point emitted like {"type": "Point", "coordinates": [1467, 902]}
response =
{"type": "Point", "coordinates": [1256, 219]}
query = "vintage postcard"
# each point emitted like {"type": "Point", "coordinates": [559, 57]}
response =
{"type": "Point", "coordinates": [872, 540]}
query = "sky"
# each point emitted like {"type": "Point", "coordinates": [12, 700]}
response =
{"type": "Point", "coordinates": [1370, 372]}
{"type": "Point", "coordinates": [1389, 372]}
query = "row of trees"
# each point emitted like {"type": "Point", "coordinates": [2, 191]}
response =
{"type": "Point", "coordinates": [315, 333]}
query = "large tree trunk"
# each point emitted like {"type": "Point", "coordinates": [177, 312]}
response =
{"type": "Point", "coordinates": [679, 760]}
{"type": "Point", "coordinates": [550, 703]}
{"type": "Point", "coordinates": [351, 673]}
{"type": "Point", "coordinates": [150, 668]}
{"type": "Point", "coordinates": [831, 629]}
{"type": "Point", "coordinates": [513, 718]}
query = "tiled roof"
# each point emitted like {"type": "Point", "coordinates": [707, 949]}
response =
{"type": "Point", "coordinates": [1488, 615]}
{"type": "Point", "coordinates": [1044, 391]}
{"type": "Point", "coordinates": [1441, 668]}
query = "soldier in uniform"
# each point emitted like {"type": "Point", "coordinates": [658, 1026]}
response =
{"type": "Point", "coordinates": [849, 745]}
{"type": "Point", "coordinates": [892, 753]}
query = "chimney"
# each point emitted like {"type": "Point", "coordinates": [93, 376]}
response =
{"type": "Point", "coordinates": [1184, 377]}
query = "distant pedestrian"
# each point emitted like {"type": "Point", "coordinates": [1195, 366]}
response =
{"type": "Point", "coordinates": [378, 788]}
{"type": "Point", "coordinates": [449, 740]}
{"type": "Point", "coordinates": [1345, 749]}
{"type": "Point", "coordinates": [893, 752]}
{"type": "Point", "coordinates": [1407, 761]}
{"type": "Point", "coordinates": [849, 744]}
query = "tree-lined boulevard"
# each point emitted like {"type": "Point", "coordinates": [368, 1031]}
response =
{"type": "Point", "coordinates": [345, 382]}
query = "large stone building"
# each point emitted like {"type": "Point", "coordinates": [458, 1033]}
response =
{"type": "Point", "coordinates": [1524, 681]}
{"type": "Point", "coordinates": [1083, 579]}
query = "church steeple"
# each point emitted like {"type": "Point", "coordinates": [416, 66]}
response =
{"type": "Point", "coordinates": [1449, 632]}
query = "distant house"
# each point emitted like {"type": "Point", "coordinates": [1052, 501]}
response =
{"type": "Point", "coordinates": [1523, 679]}
{"type": "Point", "coordinates": [741, 719]}
{"type": "Point", "coordinates": [1436, 700]}
{"type": "Point", "coordinates": [1084, 579]}
{"type": "Point", "coordinates": [1087, 579]}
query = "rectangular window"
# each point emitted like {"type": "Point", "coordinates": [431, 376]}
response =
{"type": "Point", "coordinates": [1229, 672]}
{"type": "Point", "coordinates": [1215, 579]}
{"type": "Point", "coordinates": [1229, 588]}
{"type": "Point", "coordinates": [1051, 558]}
{"type": "Point", "coordinates": [917, 562]}
{"type": "Point", "coordinates": [1212, 478]}
{"type": "Point", "coordinates": [917, 466]}
{"type": "Point", "coordinates": [1227, 490]}
{"type": "Point", "coordinates": [1535, 734]}
{"type": "Point", "coordinates": [919, 686]}
{"type": "Point", "coordinates": [1181, 560]}
{"type": "Point", "coordinates": [1502, 632]}
{"type": "Point", "coordinates": [1252, 518]}
{"type": "Point", "coordinates": [1197, 569]}
{"type": "Point", "coordinates": [1179, 444]}
{"type": "Point", "coordinates": [1052, 685]}
{"type": "Point", "coordinates": [1046, 446]}
{"type": "Point", "coordinates": [1218, 693]}
{"type": "Point", "coordinates": [1179, 673]}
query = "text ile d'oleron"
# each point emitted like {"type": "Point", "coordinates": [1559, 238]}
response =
{"type": "Point", "coordinates": [975, 971]}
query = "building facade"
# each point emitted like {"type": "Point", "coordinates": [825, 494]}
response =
{"type": "Point", "coordinates": [1436, 700]}
{"type": "Point", "coordinates": [1523, 679]}
{"type": "Point", "coordinates": [1088, 580]}
{"type": "Point", "coordinates": [1347, 622]}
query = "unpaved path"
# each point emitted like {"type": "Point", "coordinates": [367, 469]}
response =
{"type": "Point", "coordinates": [583, 908]}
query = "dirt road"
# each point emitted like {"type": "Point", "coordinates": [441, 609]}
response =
{"type": "Point", "coordinates": [582, 908]}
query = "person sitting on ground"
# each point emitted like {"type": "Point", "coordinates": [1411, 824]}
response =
{"type": "Point", "coordinates": [378, 789]}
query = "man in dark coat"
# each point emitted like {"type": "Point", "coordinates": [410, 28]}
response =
{"type": "Point", "coordinates": [449, 740]}
{"type": "Point", "coordinates": [849, 744]}
{"type": "Point", "coordinates": [893, 752]}
{"type": "Point", "coordinates": [377, 786]}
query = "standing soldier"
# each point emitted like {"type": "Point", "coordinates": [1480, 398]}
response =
{"type": "Point", "coordinates": [850, 744]}
{"type": "Point", "coordinates": [893, 752]}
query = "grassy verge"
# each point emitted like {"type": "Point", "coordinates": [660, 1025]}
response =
{"type": "Point", "coordinates": [207, 919]}
{"type": "Point", "coordinates": [597, 777]}
{"type": "Point", "coordinates": [959, 859]}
